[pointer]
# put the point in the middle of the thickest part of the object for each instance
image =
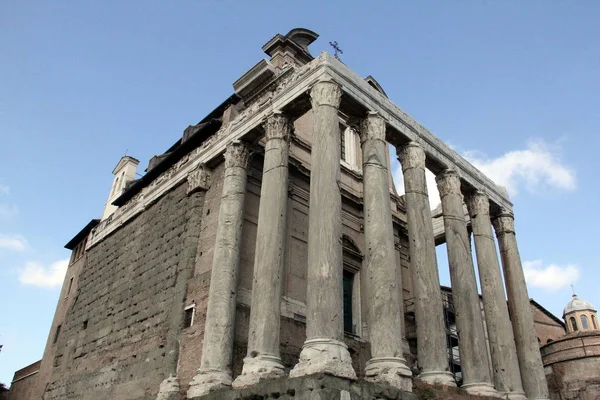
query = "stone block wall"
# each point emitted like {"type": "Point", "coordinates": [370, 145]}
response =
{"type": "Point", "coordinates": [25, 383]}
{"type": "Point", "coordinates": [116, 340]}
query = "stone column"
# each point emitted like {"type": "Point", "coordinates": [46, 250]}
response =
{"type": "Point", "coordinates": [507, 378]}
{"type": "Point", "coordinates": [432, 350]}
{"type": "Point", "coordinates": [528, 350]}
{"type": "Point", "coordinates": [469, 321]}
{"type": "Point", "coordinates": [385, 308]}
{"type": "Point", "coordinates": [217, 349]}
{"type": "Point", "coordinates": [263, 360]}
{"type": "Point", "coordinates": [324, 350]}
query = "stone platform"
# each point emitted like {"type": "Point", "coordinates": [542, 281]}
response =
{"type": "Point", "coordinates": [325, 387]}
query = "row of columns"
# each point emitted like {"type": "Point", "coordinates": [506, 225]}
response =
{"type": "Point", "coordinates": [324, 350]}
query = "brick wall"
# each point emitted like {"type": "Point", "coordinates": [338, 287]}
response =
{"type": "Point", "coordinates": [116, 341]}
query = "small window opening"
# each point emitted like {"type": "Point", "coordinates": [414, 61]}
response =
{"type": "Point", "coordinates": [594, 323]}
{"type": "Point", "coordinates": [188, 317]}
{"type": "Point", "coordinates": [584, 322]}
{"type": "Point", "coordinates": [573, 324]}
{"type": "Point", "coordinates": [343, 145]}
{"type": "Point", "coordinates": [85, 325]}
{"type": "Point", "coordinates": [70, 286]}
{"type": "Point", "coordinates": [56, 334]}
{"type": "Point", "coordinates": [348, 280]}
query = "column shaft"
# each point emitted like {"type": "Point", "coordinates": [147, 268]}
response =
{"type": "Point", "coordinates": [263, 360]}
{"type": "Point", "coordinates": [432, 349]}
{"type": "Point", "coordinates": [507, 378]}
{"type": "Point", "coordinates": [528, 351]}
{"type": "Point", "coordinates": [385, 309]}
{"type": "Point", "coordinates": [472, 346]}
{"type": "Point", "coordinates": [215, 366]}
{"type": "Point", "coordinates": [324, 350]}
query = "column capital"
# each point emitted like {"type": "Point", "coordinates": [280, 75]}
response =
{"type": "Point", "coordinates": [504, 223]}
{"type": "Point", "coordinates": [237, 154]}
{"type": "Point", "coordinates": [326, 93]}
{"type": "Point", "coordinates": [478, 203]}
{"type": "Point", "coordinates": [372, 127]}
{"type": "Point", "coordinates": [411, 155]}
{"type": "Point", "coordinates": [448, 182]}
{"type": "Point", "coordinates": [198, 179]}
{"type": "Point", "coordinates": [277, 126]}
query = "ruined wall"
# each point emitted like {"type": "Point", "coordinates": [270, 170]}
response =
{"type": "Point", "coordinates": [572, 366]}
{"type": "Point", "coordinates": [116, 341]}
{"type": "Point", "coordinates": [25, 383]}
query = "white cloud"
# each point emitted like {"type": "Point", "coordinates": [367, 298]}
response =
{"type": "Point", "coordinates": [535, 167]}
{"type": "Point", "coordinates": [549, 276]}
{"type": "Point", "coordinates": [13, 242]}
{"type": "Point", "coordinates": [37, 274]}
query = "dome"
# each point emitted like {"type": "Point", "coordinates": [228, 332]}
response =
{"type": "Point", "coordinates": [576, 304]}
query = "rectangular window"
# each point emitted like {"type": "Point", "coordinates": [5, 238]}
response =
{"type": "Point", "coordinates": [343, 144]}
{"type": "Point", "coordinates": [348, 280]}
{"type": "Point", "coordinates": [56, 334]}
{"type": "Point", "coordinates": [85, 324]}
{"type": "Point", "coordinates": [188, 317]}
{"type": "Point", "coordinates": [70, 286]}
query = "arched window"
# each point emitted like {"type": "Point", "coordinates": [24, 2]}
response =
{"type": "Point", "coordinates": [584, 323]}
{"type": "Point", "coordinates": [116, 186]}
{"type": "Point", "coordinates": [594, 323]}
{"type": "Point", "coordinates": [573, 324]}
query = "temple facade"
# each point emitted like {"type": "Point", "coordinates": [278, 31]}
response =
{"type": "Point", "coordinates": [269, 244]}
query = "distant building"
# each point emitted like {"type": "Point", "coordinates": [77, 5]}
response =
{"type": "Point", "coordinates": [572, 362]}
{"type": "Point", "coordinates": [269, 245]}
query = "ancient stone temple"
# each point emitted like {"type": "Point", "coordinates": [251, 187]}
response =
{"type": "Point", "coordinates": [267, 254]}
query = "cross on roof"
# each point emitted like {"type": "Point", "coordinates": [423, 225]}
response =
{"type": "Point", "coordinates": [336, 49]}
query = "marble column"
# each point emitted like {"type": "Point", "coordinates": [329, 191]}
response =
{"type": "Point", "coordinates": [385, 308]}
{"type": "Point", "coordinates": [507, 378]}
{"type": "Point", "coordinates": [263, 360]}
{"type": "Point", "coordinates": [432, 350]}
{"type": "Point", "coordinates": [217, 349]}
{"type": "Point", "coordinates": [528, 350]}
{"type": "Point", "coordinates": [472, 346]}
{"type": "Point", "coordinates": [324, 350]}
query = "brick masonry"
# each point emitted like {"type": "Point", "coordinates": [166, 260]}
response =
{"type": "Point", "coordinates": [116, 339]}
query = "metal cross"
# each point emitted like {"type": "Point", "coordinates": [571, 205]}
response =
{"type": "Point", "coordinates": [573, 289]}
{"type": "Point", "coordinates": [336, 49]}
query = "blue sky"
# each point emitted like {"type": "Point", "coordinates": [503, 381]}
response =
{"type": "Point", "coordinates": [514, 86]}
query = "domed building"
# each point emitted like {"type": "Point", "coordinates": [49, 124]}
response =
{"type": "Point", "coordinates": [572, 363]}
{"type": "Point", "coordinates": [580, 315]}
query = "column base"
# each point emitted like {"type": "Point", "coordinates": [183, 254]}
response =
{"type": "Point", "coordinates": [169, 388]}
{"type": "Point", "coordinates": [444, 378]}
{"type": "Point", "coordinates": [481, 389]}
{"type": "Point", "coordinates": [390, 370]}
{"type": "Point", "coordinates": [324, 356]}
{"type": "Point", "coordinates": [207, 380]}
{"type": "Point", "coordinates": [259, 368]}
{"type": "Point", "coordinates": [514, 396]}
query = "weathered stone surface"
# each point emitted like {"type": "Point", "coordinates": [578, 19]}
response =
{"type": "Point", "coordinates": [507, 378]}
{"type": "Point", "coordinates": [263, 360]}
{"type": "Point", "coordinates": [431, 333]}
{"type": "Point", "coordinates": [215, 367]}
{"type": "Point", "coordinates": [113, 343]}
{"type": "Point", "coordinates": [385, 310]}
{"type": "Point", "coordinates": [474, 361]}
{"type": "Point", "coordinates": [530, 361]}
{"type": "Point", "coordinates": [324, 350]}
{"type": "Point", "coordinates": [312, 387]}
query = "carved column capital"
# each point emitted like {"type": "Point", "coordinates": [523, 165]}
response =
{"type": "Point", "coordinates": [372, 127]}
{"type": "Point", "coordinates": [478, 203]}
{"type": "Point", "coordinates": [504, 223]}
{"type": "Point", "coordinates": [325, 93]}
{"type": "Point", "coordinates": [411, 155]}
{"type": "Point", "coordinates": [448, 182]}
{"type": "Point", "coordinates": [237, 154]}
{"type": "Point", "coordinates": [198, 179]}
{"type": "Point", "coordinates": [277, 126]}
